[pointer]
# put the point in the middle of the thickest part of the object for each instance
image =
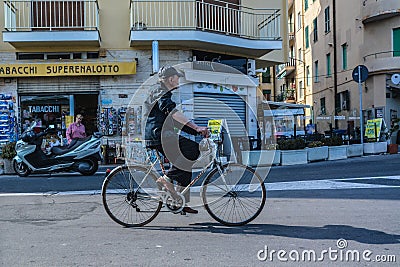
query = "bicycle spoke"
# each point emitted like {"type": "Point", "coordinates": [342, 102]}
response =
{"type": "Point", "coordinates": [125, 201]}
{"type": "Point", "coordinates": [235, 197]}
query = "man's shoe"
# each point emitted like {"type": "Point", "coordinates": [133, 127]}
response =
{"type": "Point", "coordinates": [190, 210]}
{"type": "Point", "coordinates": [168, 186]}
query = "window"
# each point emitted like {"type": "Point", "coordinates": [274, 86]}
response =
{"type": "Point", "coordinates": [323, 106]}
{"type": "Point", "coordinates": [305, 5]}
{"type": "Point", "coordinates": [57, 55]}
{"type": "Point", "coordinates": [396, 42]}
{"type": "Point", "coordinates": [344, 56]}
{"type": "Point", "coordinates": [328, 65]}
{"type": "Point", "coordinates": [298, 21]}
{"type": "Point", "coordinates": [343, 101]}
{"type": "Point", "coordinates": [266, 76]}
{"type": "Point", "coordinates": [327, 20]}
{"type": "Point", "coordinates": [308, 73]}
{"type": "Point", "coordinates": [291, 24]}
{"type": "Point", "coordinates": [316, 75]}
{"type": "Point", "coordinates": [300, 57]}
{"type": "Point", "coordinates": [307, 37]}
{"type": "Point", "coordinates": [315, 30]}
{"type": "Point", "coordinates": [301, 89]}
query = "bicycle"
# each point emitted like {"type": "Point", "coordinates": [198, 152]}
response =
{"type": "Point", "coordinates": [233, 194]}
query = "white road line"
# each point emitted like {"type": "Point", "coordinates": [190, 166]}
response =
{"type": "Point", "coordinates": [330, 184]}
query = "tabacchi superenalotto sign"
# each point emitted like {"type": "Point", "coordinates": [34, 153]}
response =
{"type": "Point", "coordinates": [67, 69]}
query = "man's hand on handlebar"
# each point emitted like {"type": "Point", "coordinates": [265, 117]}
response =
{"type": "Point", "coordinates": [203, 131]}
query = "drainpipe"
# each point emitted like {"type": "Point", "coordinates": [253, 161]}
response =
{"type": "Point", "coordinates": [335, 82]}
{"type": "Point", "coordinates": [155, 57]}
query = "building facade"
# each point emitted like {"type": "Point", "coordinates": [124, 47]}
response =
{"type": "Point", "coordinates": [331, 38]}
{"type": "Point", "coordinates": [60, 58]}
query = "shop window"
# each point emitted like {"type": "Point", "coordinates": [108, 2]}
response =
{"type": "Point", "coordinates": [45, 110]}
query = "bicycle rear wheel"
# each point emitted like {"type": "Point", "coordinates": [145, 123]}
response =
{"type": "Point", "coordinates": [234, 195]}
{"type": "Point", "coordinates": [130, 196]}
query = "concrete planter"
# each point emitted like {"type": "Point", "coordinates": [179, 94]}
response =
{"type": "Point", "coordinates": [8, 167]}
{"type": "Point", "coordinates": [317, 153]}
{"type": "Point", "coordinates": [293, 157]}
{"type": "Point", "coordinates": [380, 147]}
{"type": "Point", "coordinates": [337, 152]}
{"type": "Point", "coordinates": [375, 148]}
{"type": "Point", "coordinates": [261, 157]}
{"type": "Point", "coordinates": [355, 150]}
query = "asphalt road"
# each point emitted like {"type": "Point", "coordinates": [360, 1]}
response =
{"type": "Point", "coordinates": [319, 214]}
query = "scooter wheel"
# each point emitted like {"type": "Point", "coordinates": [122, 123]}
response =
{"type": "Point", "coordinates": [93, 167]}
{"type": "Point", "coordinates": [21, 169]}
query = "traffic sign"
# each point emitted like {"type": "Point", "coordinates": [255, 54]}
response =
{"type": "Point", "coordinates": [360, 73]}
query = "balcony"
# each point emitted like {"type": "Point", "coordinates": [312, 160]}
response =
{"type": "Point", "coordinates": [217, 27]}
{"type": "Point", "coordinates": [382, 61]}
{"type": "Point", "coordinates": [284, 70]}
{"type": "Point", "coordinates": [49, 22]}
{"type": "Point", "coordinates": [379, 10]}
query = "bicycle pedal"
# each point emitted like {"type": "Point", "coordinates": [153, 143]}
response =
{"type": "Point", "coordinates": [182, 213]}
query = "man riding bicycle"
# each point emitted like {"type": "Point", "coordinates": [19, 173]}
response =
{"type": "Point", "coordinates": [160, 133]}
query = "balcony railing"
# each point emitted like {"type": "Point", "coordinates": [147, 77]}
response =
{"type": "Point", "coordinates": [48, 15]}
{"type": "Point", "coordinates": [218, 17]}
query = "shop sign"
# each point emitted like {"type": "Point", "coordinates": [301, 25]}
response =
{"type": "Point", "coordinates": [339, 117]}
{"type": "Point", "coordinates": [373, 128]}
{"type": "Point", "coordinates": [44, 109]}
{"type": "Point", "coordinates": [324, 118]}
{"type": "Point", "coordinates": [67, 69]}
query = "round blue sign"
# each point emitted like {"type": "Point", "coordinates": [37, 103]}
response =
{"type": "Point", "coordinates": [360, 73]}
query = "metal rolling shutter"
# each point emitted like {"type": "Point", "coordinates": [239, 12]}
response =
{"type": "Point", "coordinates": [58, 85]}
{"type": "Point", "coordinates": [232, 108]}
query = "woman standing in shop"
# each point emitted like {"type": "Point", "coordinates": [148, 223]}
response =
{"type": "Point", "coordinates": [76, 129]}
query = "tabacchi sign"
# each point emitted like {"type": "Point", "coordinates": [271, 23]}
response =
{"type": "Point", "coordinates": [67, 69]}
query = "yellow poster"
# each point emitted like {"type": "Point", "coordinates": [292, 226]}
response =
{"type": "Point", "coordinates": [215, 127]}
{"type": "Point", "coordinates": [372, 126]}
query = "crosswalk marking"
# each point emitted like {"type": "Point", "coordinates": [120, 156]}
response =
{"type": "Point", "coordinates": [329, 184]}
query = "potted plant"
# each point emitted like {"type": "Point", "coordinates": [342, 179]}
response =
{"type": "Point", "coordinates": [8, 153]}
{"type": "Point", "coordinates": [316, 150]}
{"type": "Point", "coordinates": [292, 151]}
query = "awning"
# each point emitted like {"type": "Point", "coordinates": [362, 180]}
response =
{"type": "Point", "coordinates": [283, 112]}
{"type": "Point", "coordinates": [218, 77]}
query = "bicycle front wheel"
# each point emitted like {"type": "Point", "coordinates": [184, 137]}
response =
{"type": "Point", "coordinates": [233, 195]}
{"type": "Point", "coordinates": [130, 196]}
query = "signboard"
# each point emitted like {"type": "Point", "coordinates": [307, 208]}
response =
{"type": "Point", "coordinates": [215, 127]}
{"type": "Point", "coordinates": [360, 73]}
{"type": "Point", "coordinates": [373, 128]}
{"type": "Point", "coordinates": [67, 69]}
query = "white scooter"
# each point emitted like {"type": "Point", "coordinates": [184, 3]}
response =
{"type": "Point", "coordinates": [82, 156]}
